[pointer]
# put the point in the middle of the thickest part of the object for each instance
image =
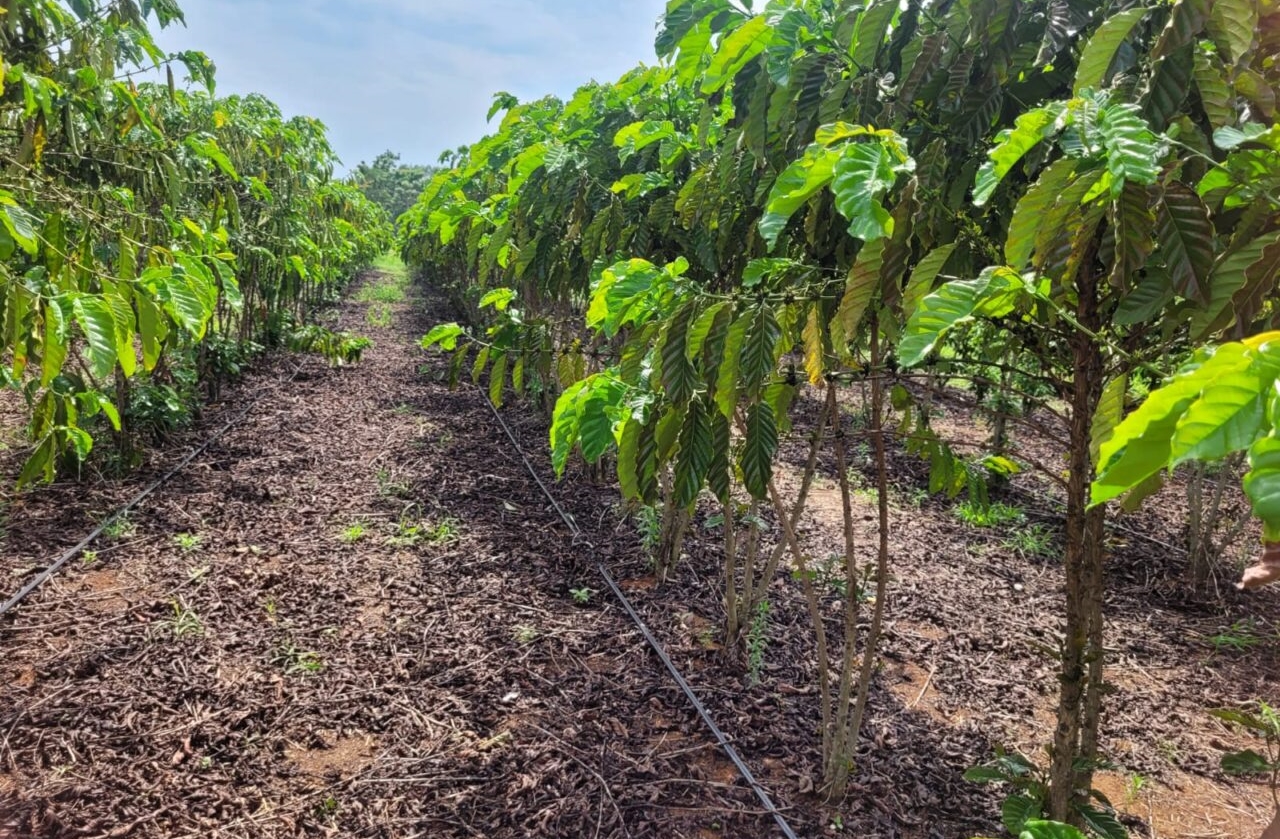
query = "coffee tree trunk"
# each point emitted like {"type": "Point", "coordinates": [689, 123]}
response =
{"type": "Point", "coordinates": [1075, 742]}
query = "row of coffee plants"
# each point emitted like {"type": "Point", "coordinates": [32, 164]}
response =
{"type": "Point", "coordinates": [1048, 198]}
{"type": "Point", "coordinates": [146, 226]}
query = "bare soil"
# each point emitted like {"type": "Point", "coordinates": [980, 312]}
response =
{"type": "Point", "coordinates": [373, 635]}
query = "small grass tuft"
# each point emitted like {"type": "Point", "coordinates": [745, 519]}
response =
{"type": "Point", "coordinates": [992, 515]}
{"type": "Point", "coordinates": [353, 533]}
{"type": "Point", "coordinates": [1032, 542]}
{"type": "Point", "coordinates": [298, 662]}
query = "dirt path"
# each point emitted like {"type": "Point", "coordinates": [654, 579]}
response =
{"type": "Point", "coordinates": [351, 617]}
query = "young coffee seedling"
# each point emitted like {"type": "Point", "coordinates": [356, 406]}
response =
{"type": "Point", "coordinates": [1262, 722]}
{"type": "Point", "coordinates": [1023, 811]}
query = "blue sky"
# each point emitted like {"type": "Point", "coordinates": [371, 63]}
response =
{"type": "Point", "coordinates": [415, 76]}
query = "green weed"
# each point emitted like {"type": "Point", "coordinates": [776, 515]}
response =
{"type": "Point", "coordinates": [185, 622]}
{"type": "Point", "coordinates": [1034, 541]}
{"type": "Point", "coordinates": [120, 528]}
{"type": "Point", "coordinates": [757, 641]}
{"type": "Point", "coordinates": [993, 515]}
{"type": "Point", "coordinates": [379, 315]}
{"type": "Point", "coordinates": [187, 542]}
{"type": "Point", "coordinates": [581, 596]}
{"type": "Point", "coordinates": [445, 532]}
{"type": "Point", "coordinates": [384, 292]}
{"type": "Point", "coordinates": [353, 533]}
{"type": "Point", "coordinates": [389, 488]}
{"type": "Point", "coordinates": [297, 662]}
{"type": "Point", "coordinates": [1241, 636]}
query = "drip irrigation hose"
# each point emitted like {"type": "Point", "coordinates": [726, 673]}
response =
{"type": "Point", "coordinates": [61, 562]}
{"type": "Point", "coordinates": [653, 642]}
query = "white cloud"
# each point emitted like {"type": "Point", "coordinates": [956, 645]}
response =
{"type": "Point", "coordinates": [416, 77]}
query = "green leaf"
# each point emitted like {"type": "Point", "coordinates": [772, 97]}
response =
{"type": "Point", "coordinates": [56, 344]}
{"type": "Point", "coordinates": [1262, 483]}
{"type": "Point", "coordinates": [1134, 225]}
{"type": "Point", "coordinates": [679, 378]}
{"type": "Point", "coordinates": [1228, 417]}
{"type": "Point", "coordinates": [869, 36]}
{"type": "Point", "coordinates": [21, 225]}
{"type": "Point", "coordinates": [743, 44]}
{"type": "Point", "coordinates": [758, 359]}
{"type": "Point", "coordinates": [1036, 829]}
{"type": "Point", "coordinates": [1102, 823]}
{"type": "Point", "coordinates": [1030, 212]}
{"type": "Point", "coordinates": [152, 328]}
{"type": "Point", "coordinates": [796, 185]}
{"type": "Point", "coordinates": [628, 450]}
{"type": "Point", "coordinates": [993, 293]}
{"type": "Point", "coordinates": [759, 446]}
{"type": "Point", "coordinates": [1109, 414]}
{"type": "Point", "coordinates": [600, 404]}
{"type": "Point", "coordinates": [1246, 763]}
{"type": "Point", "coordinates": [565, 424]}
{"type": "Point", "coordinates": [497, 377]}
{"type": "Point", "coordinates": [498, 298]}
{"type": "Point", "coordinates": [1185, 236]}
{"type": "Point", "coordinates": [923, 277]}
{"type": "Point", "coordinates": [445, 334]}
{"type": "Point", "coordinates": [99, 324]}
{"type": "Point", "coordinates": [1230, 277]}
{"type": "Point", "coordinates": [1100, 52]}
{"type": "Point", "coordinates": [702, 328]}
{"type": "Point", "coordinates": [860, 287]}
{"type": "Point", "coordinates": [1132, 150]}
{"type": "Point", "coordinates": [985, 775]}
{"type": "Point", "coordinates": [41, 465]}
{"type": "Point", "coordinates": [1240, 718]}
{"type": "Point", "coordinates": [207, 148]}
{"type": "Point", "coordinates": [727, 375]}
{"type": "Point", "coordinates": [862, 175]}
{"type": "Point", "coordinates": [718, 475]}
{"type": "Point", "coordinates": [1233, 24]}
{"type": "Point", "coordinates": [1029, 129]}
{"type": "Point", "coordinates": [1153, 292]}
{"type": "Point", "coordinates": [814, 350]}
{"type": "Point", "coordinates": [1015, 812]}
{"type": "Point", "coordinates": [1215, 92]}
{"type": "Point", "coordinates": [696, 454]}
{"type": "Point", "coordinates": [1141, 445]}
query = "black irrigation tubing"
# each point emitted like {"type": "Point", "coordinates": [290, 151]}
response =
{"type": "Point", "coordinates": [61, 562]}
{"type": "Point", "coordinates": [728, 748]}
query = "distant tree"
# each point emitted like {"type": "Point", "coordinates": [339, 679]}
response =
{"type": "Point", "coordinates": [390, 183]}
